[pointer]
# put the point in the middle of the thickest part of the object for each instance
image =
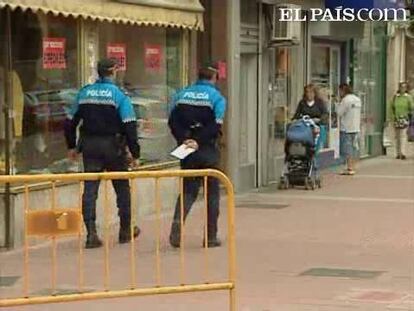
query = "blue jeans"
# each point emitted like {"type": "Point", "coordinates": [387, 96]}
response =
{"type": "Point", "coordinates": [349, 144]}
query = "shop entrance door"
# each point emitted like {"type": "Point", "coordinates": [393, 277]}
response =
{"type": "Point", "coordinates": [363, 140]}
{"type": "Point", "coordinates": [4, 219]}
{"type": "Point", "coordinates": [277, 111]}
{"type": "Point", "coordinates": [335, 80]}
{"type": "Point", "coordinates": [248, 122]}
{"type": "Point", "coordinates": [326, 74]}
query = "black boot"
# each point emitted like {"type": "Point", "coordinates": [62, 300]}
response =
{"type": "Point", "coordinates": [125, 234]}
{"type": "Point", "coordinates": [175, 235]}
{"type": "Point", "coordinates": [212, 242]}
{"type": "Point", "coordinates": [92, 239]}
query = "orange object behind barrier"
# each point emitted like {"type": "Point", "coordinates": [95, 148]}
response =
{"type": "Point", "coordinates": [47, 223]}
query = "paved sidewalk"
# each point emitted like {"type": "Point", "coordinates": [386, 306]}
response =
{"type": "Point", "coordinates": [347, 246]}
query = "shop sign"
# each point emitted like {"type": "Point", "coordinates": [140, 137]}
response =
{"type": "Point", "coordinates": [118, 52]}
{"type": "Point", "coordinates": [152, 57]}
{"type": "Point", "coordinates": [54, 53]}
{"type": "Point", "coordinates": [222, 69]}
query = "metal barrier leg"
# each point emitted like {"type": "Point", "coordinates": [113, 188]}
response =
{"type": "Point", "coordinates": [182, 229]}
{"type": "Point", "coordinates": [80, 242]}
{"type": "Point", "coordinates": [132, 225]}
{"type": "Point", "coordinates": [205, 244]}
{"type": "Point", "coordinates": [158, 232]}
{"type": "Point", "coordinates": [232, 243]}
{"type": "Point", "coordinates": [26, 244]}
{"type": "Point", "coordinates": [107, 236]}
{"type": "Point", "coordinates": [54, 246]}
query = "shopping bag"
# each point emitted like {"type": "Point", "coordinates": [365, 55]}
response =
{"type": "Point", "coordinates": [410, 130]}
{"type": "Point", "coordinates": [386, 137]}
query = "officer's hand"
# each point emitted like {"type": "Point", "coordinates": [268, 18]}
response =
{"type": "Point", "coordinates": [129, 157]}
{"type": "Point", "coordinates": [135, 164]}
{"type": "Point", "coordinates": [73, 155]}
{"type": "Point", "coordinates": [191, 143]}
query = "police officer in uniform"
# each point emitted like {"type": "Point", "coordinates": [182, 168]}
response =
{"type": "Point", "coordinates": [196, 118]}
{"type": "Point", "coordinates": [108, 127]}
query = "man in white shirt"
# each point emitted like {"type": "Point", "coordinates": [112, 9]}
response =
{"type": "Point", "coordinates": [349, 112]}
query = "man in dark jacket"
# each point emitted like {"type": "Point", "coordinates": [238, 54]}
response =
{"type": "Point", "coordinates": [197, 114]}
{"type": "Point", "coordinates": [108, 126]}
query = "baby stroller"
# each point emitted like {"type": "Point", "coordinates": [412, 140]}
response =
{"type": "Point", "coordinates": [301, 147]}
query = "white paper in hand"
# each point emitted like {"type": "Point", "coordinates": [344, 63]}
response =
{"type": "Point", "coordinates": [182, 151]}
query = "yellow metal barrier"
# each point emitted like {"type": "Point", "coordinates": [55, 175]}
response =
{"type": "Point", "coordinates": [54, 223]}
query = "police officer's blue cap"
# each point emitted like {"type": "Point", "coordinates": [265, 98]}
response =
{"type": "Point", "coordinates": [106, 64]}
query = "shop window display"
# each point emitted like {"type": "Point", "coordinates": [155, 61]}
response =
{"type": "Point", "coordinates": [325, 74]}
{"type": "Point", "coordinates": [3, 54]}
{"type": "Point", "coordinates": [45, 79]}
{"type": "Point", "coordinates": [150, 73]}
{"type": "Point", "coordinates": [281, 96]}
{"type": "Point", "coordinates": [368, 75]}
{"type": "Point", "coordinates": [45, 82]}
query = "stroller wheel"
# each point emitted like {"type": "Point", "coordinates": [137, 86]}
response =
{"type": "Point", "coordinates": [319, 182]}
{"type": "Point", "coordinates": [287, 184]}
{"type": "Point", "coordinates": [310, 183]}
{"type": "Point", "coordinates": [307, 183]}
{"type": "Point", "coordinates": [284, 183]}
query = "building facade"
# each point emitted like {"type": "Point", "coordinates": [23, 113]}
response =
{"type": "Point", "coordinates": [267, 77]}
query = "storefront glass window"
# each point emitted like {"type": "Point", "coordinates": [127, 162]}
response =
{"type": "Point", "coordinates": [281, 97]}
{"type": "Point", "coordinates": [3, 54]}
{"type": "Point", "coordinates": [320, 65]}
{"type": "Point", "coordinates": [44, 84]}
{"type": "Point", "coordinates": [325, 74]}
{"type": "Point", "coordinates": [151, 72]}
{"type": "Point", "coordinates": [368, 67]}
{"type": "Point", "coordinates": [409, 56]}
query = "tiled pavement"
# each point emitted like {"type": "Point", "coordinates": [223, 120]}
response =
{"type": "Point", "coordinates": [347, 246]}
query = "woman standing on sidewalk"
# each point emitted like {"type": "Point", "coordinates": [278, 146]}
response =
{"type": "Point", "coordinates": [400, 112]}
{"type": "Point", "coordinates": [314, 107]}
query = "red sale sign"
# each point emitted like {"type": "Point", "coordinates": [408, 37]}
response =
{"type": "Point", "coordinates": [222, 70]}
{"type": "Point", "coordinates": [118, 52]}
{"type": "Point", "coordinates": [152, 57]}
{"type": "Point", "coordinates": [54, 53]}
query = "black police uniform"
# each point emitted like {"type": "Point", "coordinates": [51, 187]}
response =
{"type": "Point", "coordinates": [197, 113]}
{"type": "Point", "coordinates": [108, 126]}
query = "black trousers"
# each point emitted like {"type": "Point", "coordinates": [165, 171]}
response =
{"type": "Point", "coordinates": [206, 157]}
{"type": "Point", "coordinates": [105, 153]}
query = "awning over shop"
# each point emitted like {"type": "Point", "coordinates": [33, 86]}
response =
{"type": "Point", "coordinates": [165, 13]}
